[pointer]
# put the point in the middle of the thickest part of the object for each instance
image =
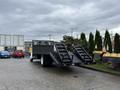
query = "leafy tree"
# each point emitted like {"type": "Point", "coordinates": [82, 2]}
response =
{"type": "Point", "coordinates": [117, 43]}
{"type": "Point", "coordinates": [68, 40]}
{"type": "Point", "coordinates": [107, 42]}
{"type": "Point", "coordinates": [98, 41]}
{"type": "Point", "coordinates": [91, 44]}
{"type": "Point", "coordinates": [76, 41]}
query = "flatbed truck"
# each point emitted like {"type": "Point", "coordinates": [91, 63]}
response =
{"type": "Point", "coordinates": [50, 52]}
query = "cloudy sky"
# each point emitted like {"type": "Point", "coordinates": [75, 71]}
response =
{"type": "Point", "coordinates": [36, 19]}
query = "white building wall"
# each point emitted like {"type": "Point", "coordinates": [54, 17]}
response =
{"type": "Point", "coordinates": [1, 48]}
{"type": "Point", "coordinates": [20, 48]}
{"type": "Point", "coordinates": [11, 41]}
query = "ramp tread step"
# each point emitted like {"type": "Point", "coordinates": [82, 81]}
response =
{"type": "Point", "coordinates": [81, 51]}
{"type": "Point", "coordinates": [63, 53]}
{"type": "Point", "coordinates": [60, 47]}
{"type": "Point", "coordinates": [62, 50]}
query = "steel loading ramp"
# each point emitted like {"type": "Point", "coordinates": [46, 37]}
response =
{"type": "Point", "coordinates": [61, 55]}
{"type": "Point", "coordinates": [83, 55]}
{"type": "Point", "coordinates": [55, 58]}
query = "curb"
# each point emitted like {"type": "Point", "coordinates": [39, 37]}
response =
{"type": "Point", "coordinates": [99, 70]}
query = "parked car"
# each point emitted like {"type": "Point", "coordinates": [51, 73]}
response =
{"type": "Point", "coordinates": [4, 54]}
{"type": "Point", "coordinates": [18, 54]}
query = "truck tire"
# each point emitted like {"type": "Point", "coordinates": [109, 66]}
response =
{"type": "Point", "coordinates": [31, 60]}
{"type": "Point", "coordinates": [45, 61]}
{"type": "Point", "coordinates": [42, 62]}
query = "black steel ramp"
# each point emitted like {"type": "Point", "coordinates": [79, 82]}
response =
{"type": "Point", "coordinates": [83, 55]}
{"type": "Point", "coordinates": [76, 60]}
{"type": "Point", "coordinates": [63, 55]}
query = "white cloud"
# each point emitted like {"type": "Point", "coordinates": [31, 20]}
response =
{"type": "Point", "coordinates": [38, 18]}
{"type": "Point", "coordinates": [115, 30]}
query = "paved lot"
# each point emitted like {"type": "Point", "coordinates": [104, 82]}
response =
{"type": "Point", "coordinates": [19, 74]}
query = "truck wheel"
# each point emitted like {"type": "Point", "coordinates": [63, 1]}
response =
{"type": "Point", "coordinates": [43, 62]}
{"type": "Point", "coordinates": [31, 60]}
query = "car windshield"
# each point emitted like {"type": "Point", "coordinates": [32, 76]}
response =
{"type": "Point", "coordinates": [4, 52]}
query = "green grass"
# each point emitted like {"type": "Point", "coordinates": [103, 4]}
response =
{"type": "Point", "coordinates": [106, 67]}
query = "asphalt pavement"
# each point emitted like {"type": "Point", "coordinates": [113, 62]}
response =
{"type": "Point", "coordinates": [20, 74]}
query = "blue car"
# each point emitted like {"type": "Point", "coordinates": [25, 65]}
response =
{"type": "Point", "coordinates": [4, 54]}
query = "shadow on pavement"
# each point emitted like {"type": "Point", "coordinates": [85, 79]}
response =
{"type": "Point", "coordinates": [55, 69]}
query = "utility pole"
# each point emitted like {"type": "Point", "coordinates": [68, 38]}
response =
{"type": "Point", "coordinates": [112, 39]}
{"type": "Point", "coordinates": [77, 36]}
{"type": "Point", "coordinates": [72, 29]}
{"type": "Point", "coordinates": [49, 35]}
{"type": "Point", "coordinates": [111, 35]}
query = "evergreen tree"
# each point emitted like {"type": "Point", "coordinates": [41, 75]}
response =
{"type": "Point", "coordinates": [97, 37]}
{"type": "Point", "coordinates": [83, 40]}
{"type": "Point", "coordinates": [91, 43]}
{"type": "Point", "coordinates": [107, 42]}
{"type": "Point", "coordinates": [117, 43]}
{"type": "Point", "coordinates": [98, 41]}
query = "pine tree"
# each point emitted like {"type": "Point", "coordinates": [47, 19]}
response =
{"type": "Point", "coordinates": [97, 36]}
{"type": "Point", "coordinates": [91, 43]}
{"type": "Point", "coordinates": [98, 41]}
{"type": "Point", "coordinates": [117, 43]}
{"type": "Point", "coordinates": [83, 40]}
{"type": "Point", "coordinates": [107, 42]}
